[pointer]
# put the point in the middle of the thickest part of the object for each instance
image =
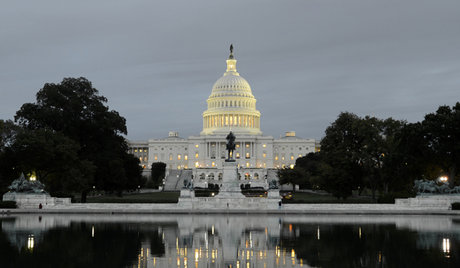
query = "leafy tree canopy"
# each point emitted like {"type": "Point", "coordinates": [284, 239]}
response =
{"type": "Point", "coordinates": [74, 118]}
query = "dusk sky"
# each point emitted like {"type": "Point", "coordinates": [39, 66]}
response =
{"type": "Point", "coordinates": [306, 60]}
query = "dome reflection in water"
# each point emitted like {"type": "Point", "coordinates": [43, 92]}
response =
{"type": "Point", "coordinates": [229, 241]}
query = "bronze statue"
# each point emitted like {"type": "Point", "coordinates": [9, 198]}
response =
{"type": "Point", "coordinates": [231, 51]}
{"type": "Point", "coordinates": [230, 146]}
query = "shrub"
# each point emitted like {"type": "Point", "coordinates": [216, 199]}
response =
{"type": "Point", "coordinates": [8, 204]}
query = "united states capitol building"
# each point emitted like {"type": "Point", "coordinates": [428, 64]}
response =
{"type": "Point", "coordinates": [230, 107]}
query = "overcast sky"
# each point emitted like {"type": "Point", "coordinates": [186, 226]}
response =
{"type": "Point", "coordinates": [306, 60]}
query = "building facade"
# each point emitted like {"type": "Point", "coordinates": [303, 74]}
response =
{"type": "Point", "coordinates": [231, 106]}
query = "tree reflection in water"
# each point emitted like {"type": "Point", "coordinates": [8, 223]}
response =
{"type": "Point", "coordinates": [113, 245]}
{"type": "Point", "coordinates": [224, 241]}
{"type": "Point", "coordinates": [373, 245]}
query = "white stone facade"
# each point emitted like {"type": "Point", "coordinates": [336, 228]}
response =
{"type": "Point", "coordinates": [231, 107]}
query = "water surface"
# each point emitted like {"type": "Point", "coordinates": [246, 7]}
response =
{"type": "Point", "coordinates": [229, 241]}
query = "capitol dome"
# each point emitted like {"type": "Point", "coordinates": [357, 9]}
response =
{"type": "Point", "coordinates": [231, 105]}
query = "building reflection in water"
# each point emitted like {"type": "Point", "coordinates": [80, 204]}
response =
{"type": "Point", "coordinates": [238, 241]}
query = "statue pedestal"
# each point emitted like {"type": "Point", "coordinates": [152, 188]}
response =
{"type": "Point", "coordinates": [273, 194]}
{"type": "Point", "coordinates": [230, 186]}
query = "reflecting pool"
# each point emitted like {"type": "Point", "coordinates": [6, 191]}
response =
{"type": "Point", "coordinates": [229, 241]}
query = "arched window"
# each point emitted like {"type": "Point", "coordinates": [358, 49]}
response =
{"type": "Point", "coordinates": [247, 176]}
{"type": "Point", "coordinates": [220, 176]}
{"type": "Point", "coordinates": [256, 176]}
{"type": "Point", "coordinates": [211, 176]}
{"type": "Point", "coordinates": [202, 176]}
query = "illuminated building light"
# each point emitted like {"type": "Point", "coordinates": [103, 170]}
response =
{"type": "Point", "coordinates": [446, 245]}
{"type": "Point", "coordinates": [30, 242]}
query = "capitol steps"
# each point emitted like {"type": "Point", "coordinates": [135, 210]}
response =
{"type": "Point", "coordinates": [186, 174]}
{"type": "Point", "coordinates": [172, 180]}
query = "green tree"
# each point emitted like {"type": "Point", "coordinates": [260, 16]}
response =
{"type": "Point", "coordinates": [75, 109]}
{"type": "Point", "coordinates": [8, 132]}
{"type": "Point", "coordinates": [341, 169]}
{"type": "Point", "coordinates": [305, 173]}
{"type": "Point", "coordinates": [158, 172]}
{"type": "Point", "coordinates": [441, 132]}
{"type": "Point", "coordinates": [295, 176]}
{"type": "Point", "coordinates": [52, 157]}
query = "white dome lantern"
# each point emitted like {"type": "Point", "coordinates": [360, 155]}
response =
{"type": "Point", "coordinates": [231, 105]}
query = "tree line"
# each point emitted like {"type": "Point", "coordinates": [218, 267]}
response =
{"type": "Point", "coordinates": [70, 140]}
{"type": "Point", "coordinates": [382, 156]}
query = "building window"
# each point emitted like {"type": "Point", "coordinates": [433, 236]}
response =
{"type": "Point", "coordinates": [264, 145]}
{"type": "Point", "coordinates": [178, 167]}
{"type": "Point", "coordinates": [179, 157]}
{"type": "Point", "coordinates": [292, 166]}
{"type": "Point", "coordinates": [170, 156]}
{"type": "Point", "coordinates": [247, 155]}
{"type": "Point", "coordinates": [237, 155]}
{"type": "Point", "coordinates": [247, 145]}
{"type": "Point", "coordinates": [300, 155]}
{"type": "Point", "coordinates": [292, 157]}
{"type": "Point", "coordinates": [197, 164]}
{"type": "Point", "coordinates": [276, 157]}
{"type": "Point", "coordinates": [140, 150]}
{"type": "Point", "coordinates": [145, 159]}
{"type": "Point", "coordinates": [155, 157]}
{"type": "Point", "coordinates": [238, 146]}
{"type": "Point", "coordinates": [264, 155]}
{"type": "Point", "coordinates": [247, 164]}
{"type": "Point", "coordinates": [185, 157]}
{"type": "Point", "coordinates": [282, 158]}
{"type": "Point", "coordinates": [213, 164]}
{"type": "Point", "coordinates": [196, 155]}
{"type": "Point", "coordinates": [196, 146]}
{"type": "Point", "coordinates": [135, 150]}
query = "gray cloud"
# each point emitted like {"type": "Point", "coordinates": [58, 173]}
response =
{"type": "Point", "coordinates": [156, 61]}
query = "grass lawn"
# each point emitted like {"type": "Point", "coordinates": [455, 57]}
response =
{"type": "Point", "coordinates": [158, 197]}
{"type": "Point", "coordinates": [302, 197]}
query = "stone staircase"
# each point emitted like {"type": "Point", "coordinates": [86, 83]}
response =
{"type": "Point", "coordinates": [172, 180]}
{"type": "Point", "coordinates": [175, 179]}
{"type": "Point", "coordinates": [186, 174]}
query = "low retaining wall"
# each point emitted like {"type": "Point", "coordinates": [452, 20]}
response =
{"type": "Point", "coordinates": [434, 204]}
{"type": "Point", "coordinates": [25, 200]}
